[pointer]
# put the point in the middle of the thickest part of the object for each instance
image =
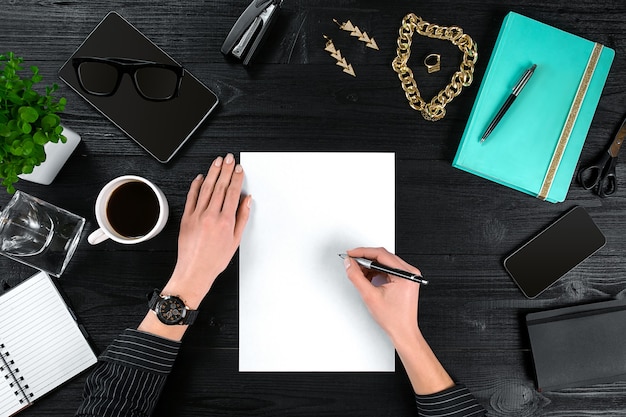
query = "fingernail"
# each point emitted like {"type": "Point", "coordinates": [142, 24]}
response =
{"type": "Point", "coordinates": [238, 169]}
{"type": "Point", "coordinates": [199, 177]}
{"type": "Point", "coordinates": [218, 161]}
{"type": "Point", "coordinates": [249, 202]}
{"type": "Point", "coordinates": [346, 263]}
{"type": "Point", "coordinates": [230, 158]}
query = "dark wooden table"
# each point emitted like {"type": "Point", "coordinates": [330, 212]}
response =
{"type": "Point", "coordinates": [455, 226]}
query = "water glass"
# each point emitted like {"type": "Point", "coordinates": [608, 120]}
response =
{"type": "Point", "coordinates": [39, 234]}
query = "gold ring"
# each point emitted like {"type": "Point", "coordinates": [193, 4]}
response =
{"type": "Point", "coordinates": [433, 62]}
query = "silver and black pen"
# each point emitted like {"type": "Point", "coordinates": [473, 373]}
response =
{"type": "Point", "coordinates": [510, 99]}
{"type": "Point", "coordinates": [375, 266]}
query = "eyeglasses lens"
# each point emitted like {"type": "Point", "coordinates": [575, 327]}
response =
{"type": "Point", "coordinates": [98, 77]}
{"type": "Point", "coordinates": [156, 83]}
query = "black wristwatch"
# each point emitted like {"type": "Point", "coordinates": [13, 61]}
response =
{"type": "Point", "coordinates": [170, 309]}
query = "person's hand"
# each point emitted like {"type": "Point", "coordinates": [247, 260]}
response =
{"type": "Point", "coordinates": [392, 303]}
{"type": "Point", "coordinates": [210, 230]}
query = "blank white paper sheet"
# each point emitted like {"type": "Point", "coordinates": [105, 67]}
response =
{"type": "Point", "coordinates": [298, 311]}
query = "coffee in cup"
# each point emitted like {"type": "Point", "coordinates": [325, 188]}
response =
{"type": "Point", "coordinates": [129, 209]}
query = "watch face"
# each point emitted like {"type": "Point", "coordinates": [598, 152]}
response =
{"type": "Point", "coordinates": [170, 310]}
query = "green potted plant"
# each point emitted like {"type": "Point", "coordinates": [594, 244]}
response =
{"type": "Point", "coordinates": [29, 122]}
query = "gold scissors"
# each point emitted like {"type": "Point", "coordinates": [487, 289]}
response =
{"type": "Point", "coordinates": [601, 173]}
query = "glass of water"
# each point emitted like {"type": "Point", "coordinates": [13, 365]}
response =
{"type": "Point", "coordinates": [39, 234]}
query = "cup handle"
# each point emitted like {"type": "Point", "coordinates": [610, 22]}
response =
{"type": "Point", "coordinates": [96, 237]}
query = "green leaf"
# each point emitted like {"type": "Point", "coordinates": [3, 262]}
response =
{"type": "Point", "coordinates": [30, 96]}
{"type": "Point", "coordinates": [27, 147]}
{"type": "Point", "coordinates": [36, 78]}
{"type": "Point", "coordinates": [50, 121]}
{"type": "Point", "coordinates": [40, 138]}
{"type": "Point", "coordinates": [14, 129]}
{"type": "Point", "coordinates": [26, 127]}
{"type": "Point", "coordinates": [28, 114]}
{"type": "Point", "coordinates": [16, 148]}
{"type": "Point", "coordinates": [15, 99]}
{"type": "Point", "coordinates": [38, 155]}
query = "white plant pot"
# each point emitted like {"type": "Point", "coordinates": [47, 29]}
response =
{"type": "Point", "coordinates": [56, 156]}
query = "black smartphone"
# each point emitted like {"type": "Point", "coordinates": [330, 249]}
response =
{"type": "Point", "coordinates": [555, 251]}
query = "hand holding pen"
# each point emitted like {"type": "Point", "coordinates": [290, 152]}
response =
{"type": "Point", "coordinates": [393, 304]}
{"type": "Point", "coordinates": [376, 266]}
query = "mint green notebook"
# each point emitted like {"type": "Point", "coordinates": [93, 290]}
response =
{"type": "Point", "coordinates": [536, 145]}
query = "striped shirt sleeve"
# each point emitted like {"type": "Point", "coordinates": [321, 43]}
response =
{"type": "Point", "coordinates": [129, 377]}
{"type": "Point", "coordinates": [131, 373]}
{"type": "Point", "coordinates": [453, 402]}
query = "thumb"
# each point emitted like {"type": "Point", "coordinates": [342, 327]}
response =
{"type": "Point", "coordinates": [358, 279]}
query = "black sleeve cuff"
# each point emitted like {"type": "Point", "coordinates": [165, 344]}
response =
{"type": "Point", "coordinates": [143, 351]}
{"type": "Point", "coordinates": [453, 402]}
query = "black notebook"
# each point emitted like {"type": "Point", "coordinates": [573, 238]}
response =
{"type": "Point", "coordinates": [41, 344]}
{"type": "Point", "coordinates": [160, 127]}
{"type": "Point", "coordinates": [579, 346]}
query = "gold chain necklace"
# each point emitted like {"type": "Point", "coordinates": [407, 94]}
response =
{"type": "Point", "coordinates": [435, 109]}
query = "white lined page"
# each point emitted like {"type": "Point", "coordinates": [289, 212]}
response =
{"type": "Point", "coordinates": [42, 336]}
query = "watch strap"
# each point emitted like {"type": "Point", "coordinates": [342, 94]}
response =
{"type": "Point", "coordinates": [190, 317]}
{"type": "Point", "coordinates": [153, 297]}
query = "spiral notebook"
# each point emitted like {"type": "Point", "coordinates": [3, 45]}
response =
{"type": "Point", "coordinates": [42, 349]}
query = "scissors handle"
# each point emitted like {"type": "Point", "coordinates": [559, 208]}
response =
{"type": "Point", "coordinates": [590, 176]}
{"type": "Point", "coordinates": [608, 183]}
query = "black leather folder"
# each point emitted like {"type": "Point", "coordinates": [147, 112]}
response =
{"type": "Point", "coordinates": [579, 346]}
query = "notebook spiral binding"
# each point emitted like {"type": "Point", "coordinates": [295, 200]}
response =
{"type": "Point", "coordinates": [11, 374]}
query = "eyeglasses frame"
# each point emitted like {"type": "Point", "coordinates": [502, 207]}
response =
{"type": "Point", "coordinates": [128, 66]}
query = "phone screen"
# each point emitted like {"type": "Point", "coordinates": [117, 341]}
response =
{"type": "Point", "coordinates": [555, 251]}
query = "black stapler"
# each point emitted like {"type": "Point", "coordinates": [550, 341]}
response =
{"type": "Point", "coordinates": [250, 29]}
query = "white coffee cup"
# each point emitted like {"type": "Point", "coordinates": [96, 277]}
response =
{"type": "Point", "coordinates": [129, 209]}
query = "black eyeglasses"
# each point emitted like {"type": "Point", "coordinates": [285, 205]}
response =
{"type": "Point", "coordinates": [153, 81]}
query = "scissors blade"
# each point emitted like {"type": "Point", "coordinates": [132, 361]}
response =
{"type": "Point", "coordinates": [619, 139]}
